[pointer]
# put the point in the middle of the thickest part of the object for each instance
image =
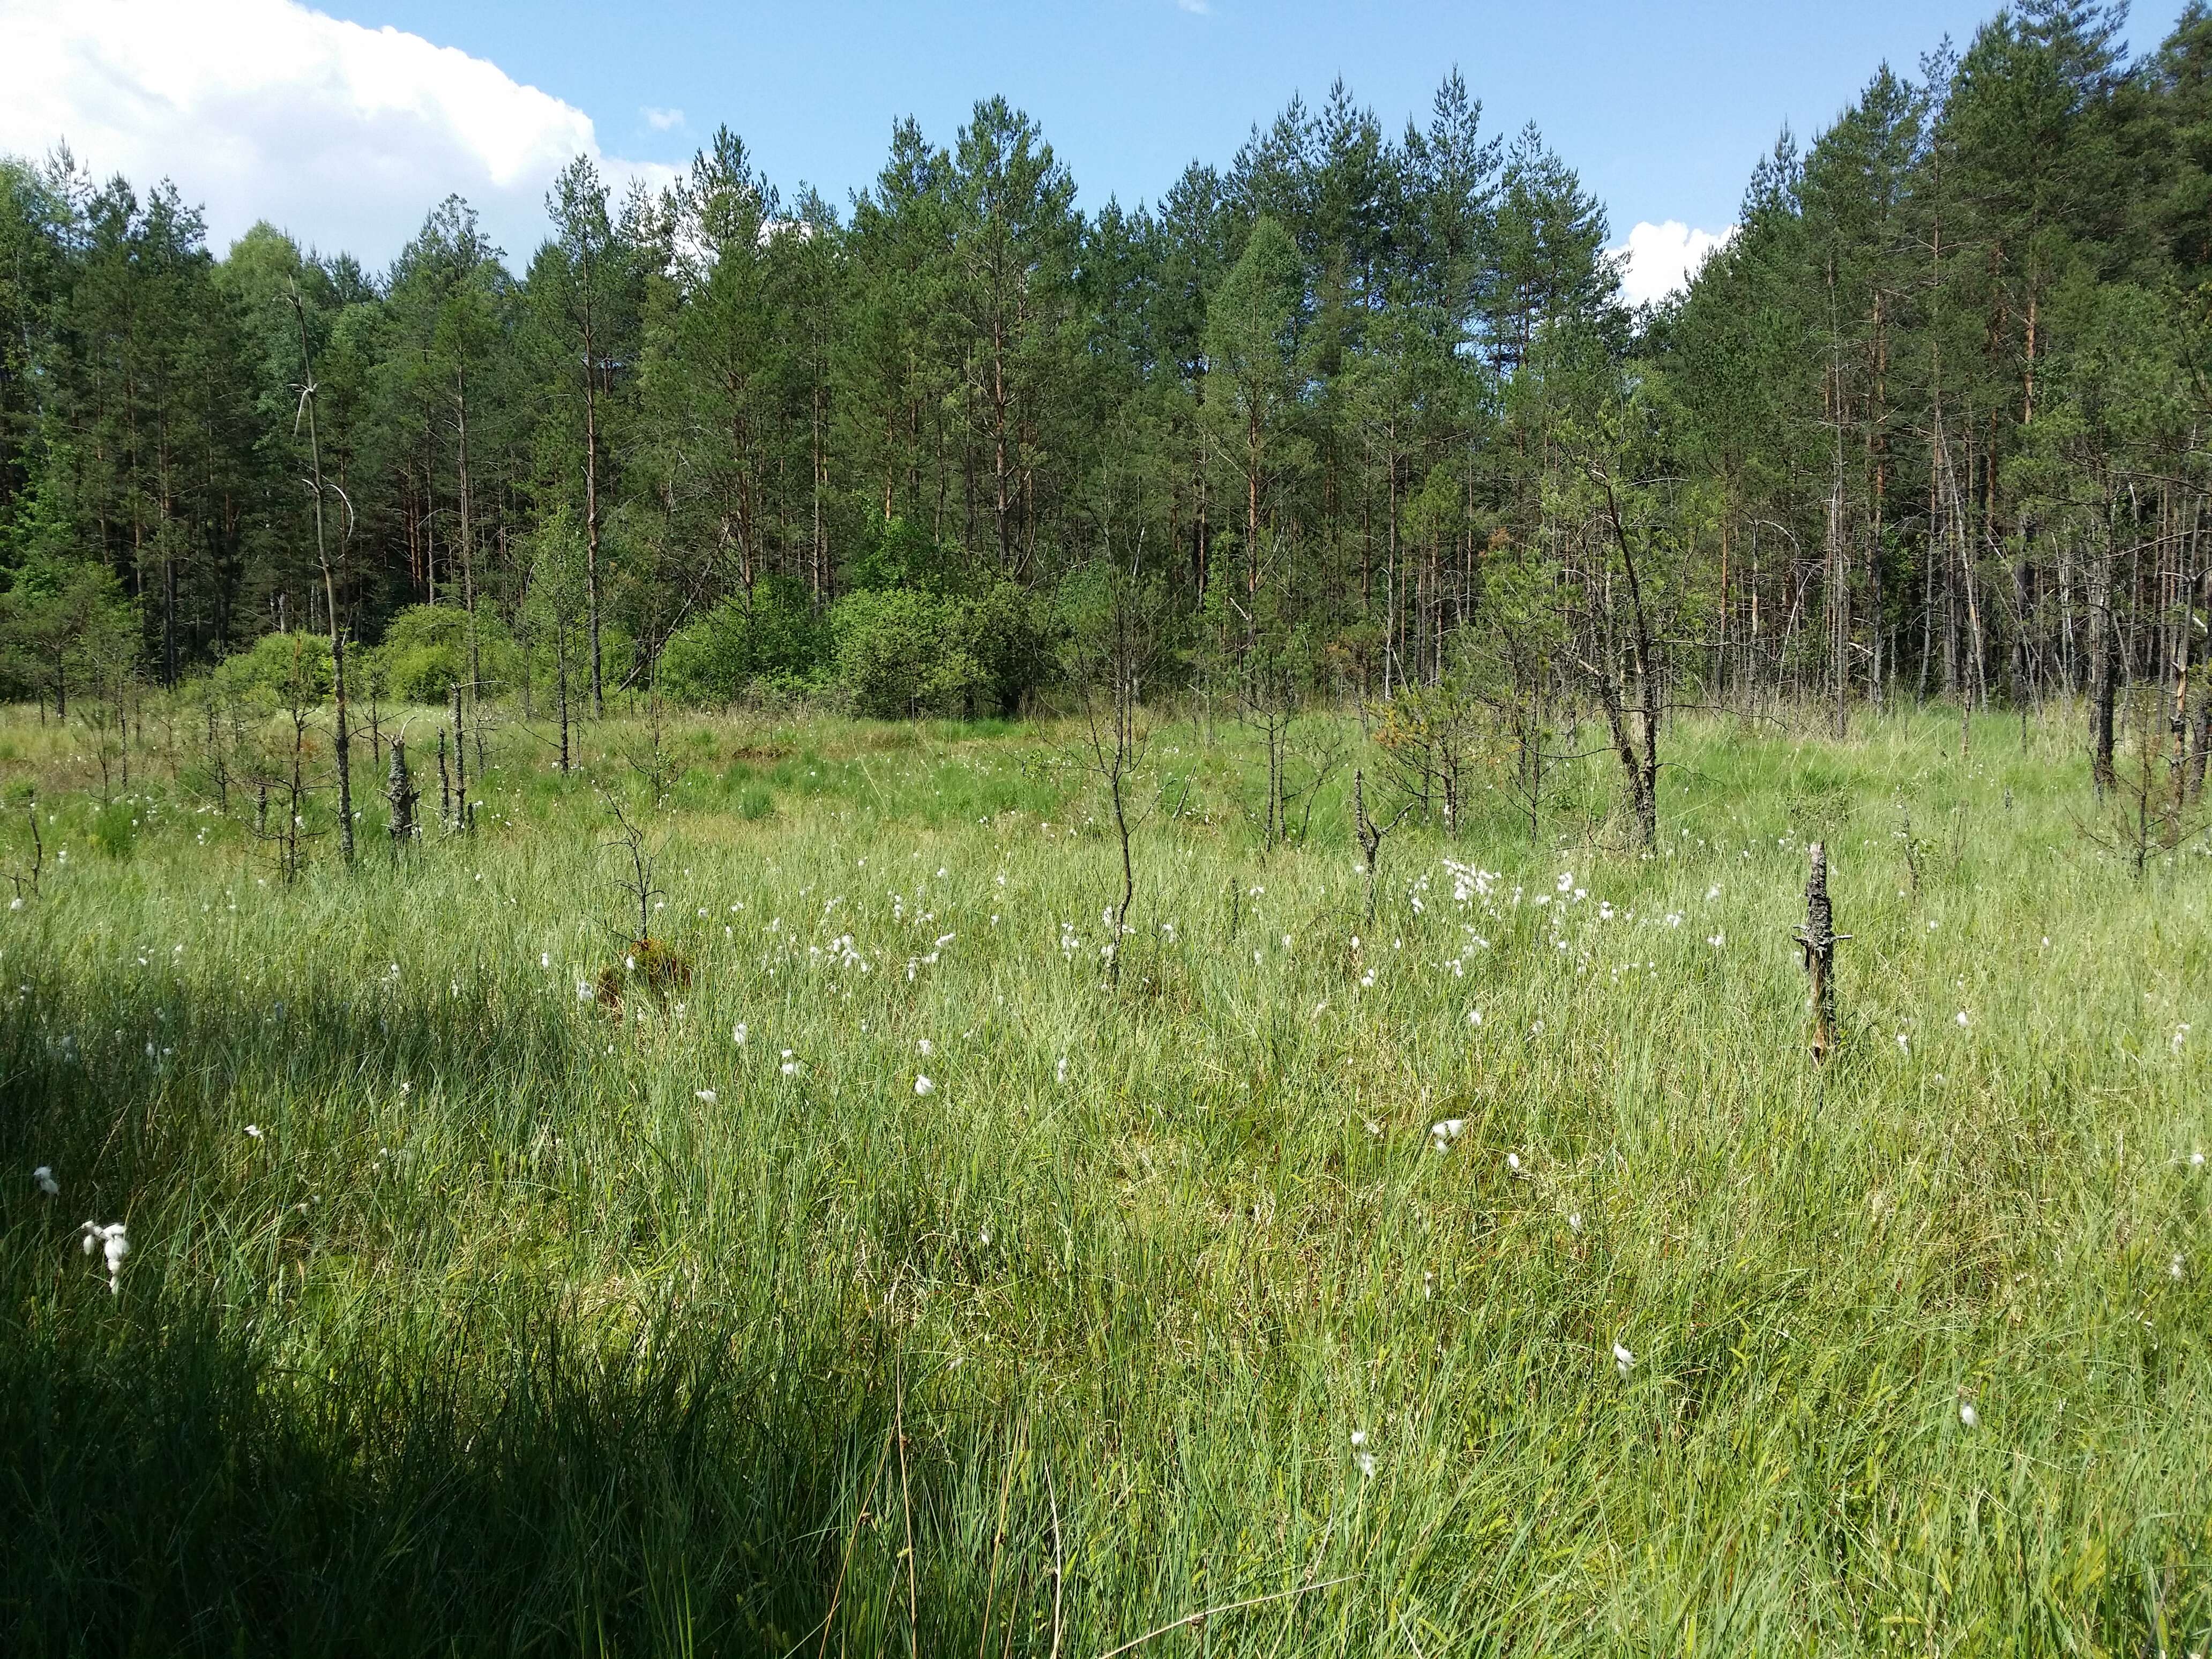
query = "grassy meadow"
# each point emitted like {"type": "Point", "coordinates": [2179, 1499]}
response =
{"type": "Point", "coordinates": [1498, 1275]}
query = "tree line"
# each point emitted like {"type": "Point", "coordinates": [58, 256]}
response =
{"type": "Point", "coordinates": [1358, 413]}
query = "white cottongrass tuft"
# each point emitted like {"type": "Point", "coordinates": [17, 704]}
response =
{"type": "Point", "coordinates": [2173, 1267]}
{"type": "Point", "coordinates": [1060, 1070]}
{"type": "Point", "coordinates": [1575, 1222]}
{"type": "Point", "coordinates": [1443, 1134]}
{"type": "Point", "coordinates": [1968, 1415]}
{"type": "Point", "coordinates": [44, 1177]}
{"type": "Point", "coordinates": [545, 959]}
{"type": "Point", "coordinates": [1474, 1016]}
{"type": "Point", "coordinates": [1513, 1162]}
{"type": "Point", "coordinates": [583, 990]}
{"type": "Point", "coordinates": [738, 1034]}
{"type": "Point", "coordinates": [253, 1131]}
{"type": "Point", "coordinates": [1360, 1454]}
{"type": "Point", "coordinates": [790, 1064]}
{"type": "Point", "coordinates": [922, 1085]}
{"type": "Point", "coordinates": [926, 1047]}
{"type": "Point", "coordinates": [2197, 1160]}
{"type": "Point", "coordinates": [1904, 1044]}
{"type": "Point", "coordinates": [1622, 1358]}
{"type": "Point", "coordinates": [708, 1096]}
{"type": "Point", "coordinates": [1962, 1019]}
{"type": "Point", "coordinates": [114, 1243]}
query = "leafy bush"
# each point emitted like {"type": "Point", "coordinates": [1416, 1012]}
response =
{"type": "Point", "coordinates": [917, 635]}
{"type": "Point", "coordinates": [901, 555]}
{"type": "Point", "coordinates": [714, 659]}
{"type": "Point", "coordinates": [898, 654]}
{"type": "Point", "coordinates": [277, 666]}
{"type": "Point", "coordinates": [426, 652]}
{"type": "Point", "coordinates": [1009, 634]}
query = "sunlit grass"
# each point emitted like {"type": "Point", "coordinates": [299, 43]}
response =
{"type": "Point", "coordinates": [499, 1333]}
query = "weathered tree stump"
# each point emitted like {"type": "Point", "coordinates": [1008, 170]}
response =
{"type": "Point", "coordinates": [1819, 938]}
{"type": "Point", "coordinates": [400, 792]}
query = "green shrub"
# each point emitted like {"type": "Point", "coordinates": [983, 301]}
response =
{"type": "Point", "coordinates": [1008, 632]}
{"type": "Point", "coordinates": [898, 654]}
{"type": "Point", "coordinates": [717, 658]}
{"type": "Point", "coordinates": [425, 652]}
{"type": "Point", "coordinates": [278, 665]}
{"type": "Point", "coordinates": [900, 555]}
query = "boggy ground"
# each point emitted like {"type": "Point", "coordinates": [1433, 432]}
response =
{"type": "Point", "coordinates": [899, 1284]}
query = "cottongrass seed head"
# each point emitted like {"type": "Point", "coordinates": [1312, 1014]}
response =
{"type": "Point", "coordinates": [922, 1085]}
{"type": "Point", "coordinates": [43, 1178]}
{"type": "Point", "coordinates": [1622, 1358]}
{"type": "Point", "coordinates": [114, 1243]}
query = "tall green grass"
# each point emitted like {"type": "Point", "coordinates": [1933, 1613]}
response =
{"type": "Point", "coordinates": [502, 1335]}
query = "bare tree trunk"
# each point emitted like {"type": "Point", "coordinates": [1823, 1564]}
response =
{"type": "Point", "coordinates": [591, 521]}
{"type": "Point", "coordinates": [467, 533]}
{"type": "Point", "coordinates": [2102, 649]}
{"type": "Point", "coordinates": [1819, 938]}
{"type": "Point", "coordinates": [342, 747]}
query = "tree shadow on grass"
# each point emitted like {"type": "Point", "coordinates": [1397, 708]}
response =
{"type": "Point", "coordinates": [166, 1488]}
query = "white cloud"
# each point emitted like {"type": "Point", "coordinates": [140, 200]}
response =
{"type": "Point", "coordinates": [344, 136]}
{"type": "Point", "coordinates": [661, 119]}
{"type": "Point", "coordinates": [1195, 8]}
{"type": "Point", "coordinates": [1657, 260]}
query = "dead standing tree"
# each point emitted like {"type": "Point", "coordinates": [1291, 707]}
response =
{"type": "Point", "coordinates": [26, 881]}
{"type": "Point", "coordinates": [1630, 700]}
{"type": "Point", "coordinates": [651, 962]}
{"type": "Point", "coordinates": [1372, 834]}
{"type": "Point", "coordinates": [317, 486]}
{"type": "Point", "coordinates": [1109, 658]}
{"type": "Point", "coordinates": [400, 793]}
{"type": "Point", "coordinates": [1817, 938]}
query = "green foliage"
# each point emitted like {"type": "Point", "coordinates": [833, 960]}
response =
{"type": "Point", "coordinates": [64, 622]}
{"type": "Point", "coordinates": [899, 553]}
{"type": "Point", "coordinates": [115, 829]}
{"type": "Point", "coordinates": [279, 667]}
{"type": "Point", "coordinates": [899, 654]}
{"type": "Point", "coordinates": [594, 1320]}
{"type": "Point", "coordinates": [427, 651]}
{"type": "Point", "coordinates": [777, 638]}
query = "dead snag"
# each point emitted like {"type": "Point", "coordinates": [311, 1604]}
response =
{"type": "Point", "coordinates": [400, 792]}
{"type": "Point", "coordinates": [1818, 939]}
{"type": "Point", "coordinates": [1371, 834]}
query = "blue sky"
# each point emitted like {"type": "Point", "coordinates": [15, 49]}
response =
{"type": "Point", "coordinates": [1663, 107]}
{"type": "Point", "coordinates": [262, 106]}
